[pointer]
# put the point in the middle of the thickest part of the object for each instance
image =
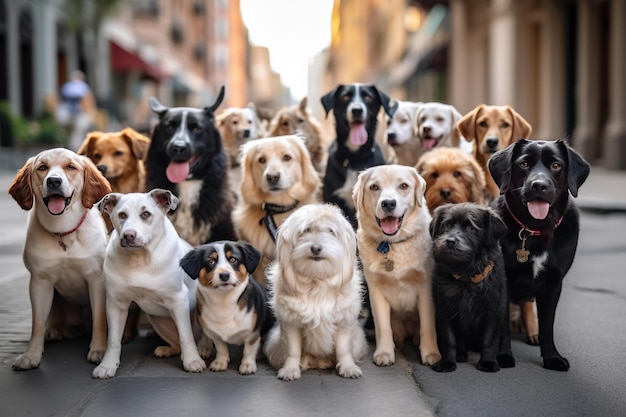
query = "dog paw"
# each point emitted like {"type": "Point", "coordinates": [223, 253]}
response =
{"type": "Point", "coordinates": [205, 349]}
{"type": "Point", "coordinates": [431, 358]}
{"type": "Point", "coordinates": [95, 356]}
{"type": "Point", "coordinates": [25, 362]}
{"type": "Point", "coordinates": [103, 371]}
{"type": "Point", "coordinates": [384, 358]}
{"type": "Point", "coordinates": [488, 366]}
{"type": "Point", "coordinates": [165, 352]}
{"type": "Point", "coordinates": [196, 365]}
{"type": "Point", "coordinates": [349, 371]}
{"type": "Point", "coordinates": [247, 368]}
{"type": "Point", "coordinates": [444, 366]}
{"type": "Point", "coordinates": [219, 364]}
{"type": "Point", "coordinates": [461, 357]}
{"type": "Point", "coordinates": [556, 364]}
{"type": "Point", "coordinates": [532, 339]}
{"type": "Point", "coordinates": [506, 360]}
{"type": "Point", "coordinates": [289, 374]}
{"type": "Point", "coordinates": [53, 334]}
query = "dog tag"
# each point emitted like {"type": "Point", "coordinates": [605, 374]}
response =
{"type": "Point", "coordinates": [388, 265]}
{"type": "Point", "coordinates": [522, 253]}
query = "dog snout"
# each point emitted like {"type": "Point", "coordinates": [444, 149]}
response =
{"type": "Point", "coordinates": [492, 142]}
{"type": "Point", "coordinates": [450, 242]}
{"type": "Point", "coordinates": [224, 276]}
{"type": "Point", "coordinates": [102, 169]}
{"type": "Point", "coordinates": [357, 111]}
{"type": "Point", "coordinates": [540, 185]}
{"type": "Point", "coordinates": [388, 205]}
{"type": "Point", "coordinates": [445, 193]}
{"type": "Point", "coordinates": [391, 137]}
{"type": "Point", "coordinates": [426, 129]}
{"type": "Point", "coordinates": [246, 133]}
{"type": "Point", "coordinates": [316, 249]}
{"type": "Point", "coordinates": [128, 238]}
{"type": "Point", "coordinates": [273, 177]}
{"type": "Point", "coordinates": [54, 182]}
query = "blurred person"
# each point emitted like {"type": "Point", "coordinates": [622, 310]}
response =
{"type": "Point", "coordinates": [73, 112]}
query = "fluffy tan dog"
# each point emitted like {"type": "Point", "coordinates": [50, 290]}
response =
{"type": "Point", "coordinates": [277, 177]}
{"type": "Point", "coordinates": [119, 156]}
{"type": "Point", "coordinates": [492, 128]}
{"type": "Point", "coordinates": [452, 176]}
{"type": "Point", "coordinates": [316, 292]}
{"type": "Point", "coordinates": [237, 126]}
{"type": "Point", "coordinates": [299, 120]}
{"type": "Point", "coordinates": [396, 250]}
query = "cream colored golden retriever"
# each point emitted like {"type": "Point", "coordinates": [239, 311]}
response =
{"type": "Point", "coordinates": [277, 177]}
{"type": "Point", "coordinates": [237, 126]}
{"type": "Point", "coordinates": [396, 250]}
{"type": "Point", "coordinates": [316, 293]}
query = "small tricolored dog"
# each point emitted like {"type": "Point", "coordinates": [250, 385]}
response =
{"type": "Point", "coordinates": [535, 180]}
{"type": "Point", "coordinates": [141, 265]}
{"type": "Point", "coordinates": [355, 107]}
{"type": "Point", "coordinates": [64, 250]}
{"type": "Point", "coordinates": [316, 293]}
{"type": "Point", "coordinates": [469, 285]}
{"type": "Point", "coordinates": [231, 305]}
{"type": "Point", "coordinates": [396, 250]}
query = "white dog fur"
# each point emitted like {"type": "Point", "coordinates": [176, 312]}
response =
{"type": "Point", "coordinates": [401, 132]}
{"type": "Point", "coordinates": [64, 249]}
{"type": "Point", "coordinates": [436, 127]}
{"type": "Point", "coordinates": [142, 265]}
{"type": "Point", "coordinates": [393, 218]}
{"type": "Point", "coordinates": [316, 294]}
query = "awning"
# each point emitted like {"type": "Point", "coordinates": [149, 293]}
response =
{"type": "Point", "coordinates": [123, 60]}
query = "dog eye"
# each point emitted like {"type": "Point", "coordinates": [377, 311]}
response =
{"type": "Point", "coordinates": [404, 186]}
{"type": "Point", "coordinates": [505, 125]}
{"type": "Point", "coordinates": [435, 175]}
{"type": "Point", "coordinates": [456, 174]}
{"type": "Point", "coordinates": [70, 166]}
{"type": "Point", "coordinates": [345, 98]}
{"type": "Point", "coordinates": [146, 215]}
{"type": "Point", "coordinates": [482, 124]}
{"type": "Point", "coordinates": [286, 123]}
{"type": "Point", "coordinates": [210, 261]}
{"type": "Point", "coordinates": [122, 216]}
{"type": "Point", "coordinates": [42, 167]}
{"type": "Point", "coordinates": [523, 164]}
{"type": "Point", "coordinates": [374, 187]}
{"type": "Point", "coordinates": [331, 231]}
{"type": "Point", "coordinates": [445, 226]}
{"type": "Point", "coordinates": [367, 98]}
{"type": "Point", "coordinates": [556, 166]}
{"type": "Point", "coordinates": [235, 122]}
{"type": "Point", "coordinates": [300, 121]}
{"type": "Point", "coordinates": [118, 154]}
{"type": "Point", "coordinates": [307, 230]}
{"type": "Point", "coordinates": [96, 157]}
{"type": "Point", "coordinates": [439, 119]}
{"type": "Point", "coordinates": [232, 260]}
{"type": "Point", "coordinates": [287, 158]}
{"type": "Point", "coordinates": [262, 160]}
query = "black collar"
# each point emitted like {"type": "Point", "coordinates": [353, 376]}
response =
{"type": "Point", "coordinates": [268, 219]}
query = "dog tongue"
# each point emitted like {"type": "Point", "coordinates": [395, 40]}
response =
{"type": "Point", "coordinates": [390, 225]}
{"type": "Point", "coordinates": [538, 209]}
{"type": "Point", "coordinates": [358, 134]}
{"type": "Point", "coordinates": [428, 143]}
{"type": "Point", "coordinates": [177, 171]}
{"type": "Point", "coordinates": [56, 204]}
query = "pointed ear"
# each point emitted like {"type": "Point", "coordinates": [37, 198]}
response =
{"type": "Point", "coordinates": [385, 101]}
{"type": "Point", "coordinates": [137, 142]}
{"type": "Point", "coordinates": [191, 263]}
{"type": "Point", "coordinates": [577, 169]}
{"type": "Point", "coordinates": [500, 167]}
{"type": "Point", "coordinates": [521, 128]}
{"type": "Point", "coordinates": [108, 203]}
{"type": "Point", "coordinates": [21, 189]}
{"type": "Point", "coordinates": [328, 99]}
{"type": "Point", "coordinates": [218, 101]}
{"type": "Point", "coordinates": [252, 256]}
{"type": "Point", "coordinates": [303, 104]}
{"type": "Point", "coordinates": [95, 186]}
{"type": "Point", "coordinates": [86, 148]}
{"type": "Point", "coordinates": [157, 107]}
{"type": "Point", "coordinates": [164, 199]}
{"type": "Point", "coordinates": [467, 124]}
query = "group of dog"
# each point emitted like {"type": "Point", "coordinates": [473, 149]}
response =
{"type": "Point", "coordinates": [403, 225]}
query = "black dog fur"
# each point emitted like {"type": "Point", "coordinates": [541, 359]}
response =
{"type": "Point", "coordinates": [186, 147]}
{"type": "Point", "coordinates": [355, 106]}
{"type": "Point", "coordinates": [532, 176]}
{"type": "Point", "coordinates": [469, 284]}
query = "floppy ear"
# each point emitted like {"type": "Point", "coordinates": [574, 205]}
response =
{"type": "Point", "coordinates": [357, 190]}
{"type": "Point", "coordinates": [138, 143]}
{"type": "Point", "coordinates": [95, 186]}
{"type": "Point", "coordinates": [521, 128]}
{"type": "Point", "coordinates": [478, 184]}
{"type": "Point", "coordinates": [385, 101]}
{"type": "Point", "coordinates": [249, 188]}
{"type": "Point", "coordinates": [252, 255]}
{"type": "Point", "coordinates": [21, 189]}
{"type": "Point", "coordinates": [420, 187]}
{"type": "Point", "coordinates": [455, 116]}
{"type": "Point", "coordinates": [310, 178]}
{"type": "Point", "coordinates": [86, 148]}
{"type": "Point", "coordinates": [497, 229]}
{"type": "Point", "coordinates": [191, 263]}
{"type": "Point", "coordinates": [500, 167]}
{"type": "Point", "coordinates": [164, 199]}
{"type": "Point", "coordinates": [108, 203]}
{"type": "Point", "coordinates": [218, 101]}
{"type": "Point", "coordinates": [467, 124]}
{"type": "Point", "coordinates": [157, 107]}
{"type": "Point", "coordinates": [435, 224]}
{"type": "Point", "coordinates": [577, 169]}
{"type": "Point", "coordinates": [329, 98]}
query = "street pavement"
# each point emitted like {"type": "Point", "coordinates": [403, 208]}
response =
{"type": "Point", "coordinates": [590, 331]}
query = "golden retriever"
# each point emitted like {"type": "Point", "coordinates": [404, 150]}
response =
{"type": "Point", "coordinates": [316, 292]}
{"type": "Point", "coordinates": [452, 176]}
{"type": "Point", "coordinates": [119, 156]}
{"type": "Point", "coordinates": [237, 126]}
{"type": "Point", "coordinates": [492, 128]}
{"type": "Point", "coordinates": [277, 177]}
{"type": "Point", "coordinates": [299, 120]}
{"type": "Point", "coordinates": [396, 250]}
{"type": "Point", "coordinates": [64, 250]}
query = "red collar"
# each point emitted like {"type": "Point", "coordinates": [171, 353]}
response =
{"type": "Point", "coordinates": [525, 232]}
{"type": "Point", "coordinates": [80, 222]}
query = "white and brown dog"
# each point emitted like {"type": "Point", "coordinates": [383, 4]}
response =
{"type": "Point", "coordinates": [316, 294]}
{"type": "Point", "coordinates": [64, 250]}
{"type": "Point", "coordinates": [141, 265]}
{"type": "Point", "coordinates": [231, 305]}
{"type": "Point", "coordinates": [396, 250]}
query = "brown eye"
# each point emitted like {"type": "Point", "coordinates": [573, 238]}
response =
{"type": "Point", "coordinates": [523, 164]}
{"type": "Point", "coordinates": [345, 98]}
{"type": "Point", "coordinates": [556, 166]}
{"type": "Point", "coordinates": [211, 261]}
{"type": "Point", "coordinates": [71, 167]}
{"type": "Point", "coordinates": [456, 174]}
{"type": "Point", "coordinates": [96, 157]}
{"type": "Point", "coordinates": [435, 175]}
{"type": "Point", "coordinates": [122, 216]}
{"type": "Point", "coordinates": [287, 158]}
{"type": "Point", "coordinates": [505, 125]}
{"type": "Point", "coordinates": [262, 160]}
{"type": "Point", "coordinates": [146, 215]}
{"type": "Point", "coordinates": [482, 124]}
{"type": "Point", "coordinates": [404, 186]}
{"type": "Point", "coordinates": [374, 187]}
{"type": "Point", "coordinates": [118, 154]}
{"type": "Point", "coordinates": [232, 260]}
{"type": "Point", "coordinates": [42, 167]}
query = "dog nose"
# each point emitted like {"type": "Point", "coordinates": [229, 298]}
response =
{"type": "Point", "coordinates": [130, 235]}
{"type": "Point", "coordinates": [246, 133]}
{"type": "Point", "coordinates": [102, 168]}
{"type": "Point", "coordinates": [427, 129]}
{"type": "Point", "coordinates": [357, 111]}
{"type": "Point", "coordinates": [178, 149]}
{"type": "Point", "coordinates": [224, 276]}
{"type": "Point", "coordinates": [316, 249]}
{"type": "Point", "coordinates": [273, 177]}
{"type": "Point", "coordinates": [391, 136]}
{"type": "Point", "coordinates": [540, 186]}
{"type": "Point", "coordinates": [492, 142]}
{"type": "Point", "coordinates": [445, 193]}
{"type": "Point", "coordinates": [388, 205]}
{"type": "Point", "coordinates": [54, 182]}
{"type": "Point", "coordinates": [450, 242]}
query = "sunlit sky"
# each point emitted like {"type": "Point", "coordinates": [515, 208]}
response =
{"type": "Point", "coordinates": [293, 31]}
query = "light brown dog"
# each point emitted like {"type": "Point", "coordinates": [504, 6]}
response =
{"type": "Point", "coordinates": [452, 176]}
{"type": "Point", "coordinates": [119, 156]}
{"type": "Point", "coordinates": [237, 126]}
{"type": "Point", "coordinates": [396, 250]}
{"type": "Point", "coordinates": [299, 120]}
{"type": "Point", "coordinates": [492, 128]}
{"type": "Point", "coordinates": [277, 176]}
{"type": "Point", "coordinates": [401, 132]}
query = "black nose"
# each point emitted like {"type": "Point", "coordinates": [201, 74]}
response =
{"type": "Point", "coordinates": [54, 182]}
{"type": "Point", "coordinates": [130, 235]}
{"type": "Point", "coordinates": [540, 186]}
{"type": "Point", "coordinates": [388, 205]}
{"type": "Point", "coordinates": [246, 133]}
{"type": "Point", "coordinates": [273, 178]}
{"type": "Point", "coordinates": [102, 168]}
{"type": "Point", "coordinates": [316, 249]}
{"type": "Point", "coordinates": [445, 193]}
{"type": "Point", "coordinates": [450, 242]}
{"type": "Point", "coordinates": [357, 111]}
{"type": "Point", "coordinates": [426, 129]}
{"type": "Point", "coordinates": [178, 149]}
{"type": "Point", "coordinates": [492, 142]}
{"type": "Point", "coordinates": [391, 136]}
{"type": "Point", "coordinates": [224, 276]}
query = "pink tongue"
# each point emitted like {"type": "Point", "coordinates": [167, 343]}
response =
{"type": "Point", "coordinates": [428, 143]}
{"type": "Point", "coordinates": [358, 134]}
{"type": "Point", "coordinates": [538, 209]}
{"type": "Point", "coordinates": [390, 225]}
{"type": "Point", "coordinates": [56, 204]}
{"type": "Point", "coordinates": [177, 171]}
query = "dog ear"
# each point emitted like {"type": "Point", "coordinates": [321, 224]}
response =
{"type": "Point", "coordinates": [435, 224]}
{"type": "Point", "coordinates": [86, 148]}
{"type": "Point", "coordinates": [95, 185]}
{"type": "Point", "coordinates": [478, 184]}
{"type": "Point", "coordinates": [521, 128]}
{"type": "Point", "coordinates": [252, 256]}
{"type": "Point", "coordinates": [164, 199]}
{"type": "Point", "coordinates": [420, 187]}
{"type": "Point", "coordinates": [500, 167]}
{"type": "Point", "coordinates": [137, 142]}
{"type": "Point", "coordinates": [191, 263]}
{"type": "Point", "coordinates": [21, 189]}
{"type": "Point", "coordinates": [455, 116]}
{"type": "Point", "coordinates": [497, 229]}
{"type": "Point", "coordinates": [328, 99]}
{"type": "Point", "coordinates": [466, 126]}
{"type": "Point", "coordinates": [303, 104]}
{"type": "Point", "coordinates": [385, 101]}
{"type": "Point", "coordinates": [157, 107]}
{"type": "Point", "coordinates": [220, 96]}
{"type": "Point", "coordinates": [108, 203]}
{"type": "Point", "coordinates": [249, 188]}
{"type": "Point", "coordinates": [310, 177]}
{"type": "Point", "coordinates": [357, 190]}
{"type": "Point", "coordinates": [577, 168]}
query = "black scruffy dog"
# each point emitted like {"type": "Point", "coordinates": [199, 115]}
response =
{"type": "Point", "coordinates": [469, 285]}
{"type": "Point", "coordinates": [355, 107]}
{"type": "Point", "coordinates": [535, 180]}
{"type": "Point", "coordinates": [186, 156]}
